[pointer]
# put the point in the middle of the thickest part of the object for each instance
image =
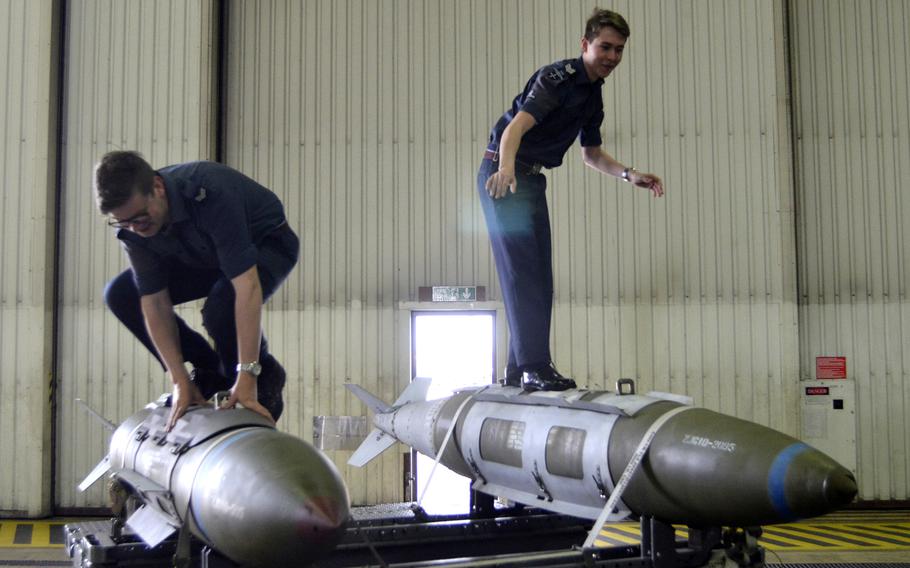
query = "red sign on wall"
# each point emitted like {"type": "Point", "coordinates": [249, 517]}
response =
{"type": "Point", "coordinates": [830, 367]}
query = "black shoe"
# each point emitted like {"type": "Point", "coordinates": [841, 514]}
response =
{"type": "Point", "coordinates": [546, 379]}
{"type": "Point", "coordinates": [511, 377]}
{"type": "Point", "coordinates": [210, 382]}
{"type": "Point", "coordinates": [269, 386]}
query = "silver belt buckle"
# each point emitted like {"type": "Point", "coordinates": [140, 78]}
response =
{"type": "Point", "coordinates": [535, 169]}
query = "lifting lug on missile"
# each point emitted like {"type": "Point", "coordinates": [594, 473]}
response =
{"type": "Point", "coordinates": [625, 383]}
{"type": "Point", "coordinates": [541, 486]}
{"type": "Point", "coordinates": [473, 463]}
{"type": "Point", "coordinates": [181, 444]}
{"type": "Point", "coordinates": [601, 486]}
{"type": "Point", "coordinates": [141, 434]}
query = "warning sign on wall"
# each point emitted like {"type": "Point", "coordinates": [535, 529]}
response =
{"type": "Point", "coordinates": [830, 367]}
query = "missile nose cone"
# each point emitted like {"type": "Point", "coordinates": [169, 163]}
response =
{"type": "Point", "coordinates": [321, 516]}
{"type": "Point", "coordinates": [840, 488]}
{"type": "Point", "coordinates": [814, 483]}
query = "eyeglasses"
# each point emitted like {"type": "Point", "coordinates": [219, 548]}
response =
{"type": "Point", "coordinates": [139, 219]}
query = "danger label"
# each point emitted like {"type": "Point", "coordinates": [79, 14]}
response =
{"type": "Point", "coordinates": [830, 367]}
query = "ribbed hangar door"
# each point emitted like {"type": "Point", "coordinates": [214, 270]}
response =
{"type": "Point", "coordinates": [139, 75]}
{"type": "Point", "coordinates": [28, 50]}
{"type": "Point", "coordinates": [851, 105]}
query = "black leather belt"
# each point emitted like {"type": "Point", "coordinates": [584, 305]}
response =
{"type": "Point", "coordinates": [520, 167]}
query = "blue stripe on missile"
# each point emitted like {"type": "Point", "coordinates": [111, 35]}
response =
{"type": "Point", "coordinates": [202, 472]}
{"type": "Point", "coordinates": [777, 479]}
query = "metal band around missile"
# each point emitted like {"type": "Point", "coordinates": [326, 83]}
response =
{"type": "Point", "coordinates": [442, 448]}
{"type": "Point", "coordinates": [607, 513]}
{"type": "Point", "coordinates": [215, 444]}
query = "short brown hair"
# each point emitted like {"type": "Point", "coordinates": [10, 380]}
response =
{"type": "Point", "coordinates": [118, 176]}
{"type": "Point", "coordinates": [600, 19]}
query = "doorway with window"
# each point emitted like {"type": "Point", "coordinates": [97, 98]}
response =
{"type": "Point", "coordinates": [456, 350]}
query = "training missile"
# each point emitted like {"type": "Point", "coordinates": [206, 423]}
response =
{"type": "Point", "coordinates": [567, 451]}
{"type": "Point", "coordinates": [256, 495]}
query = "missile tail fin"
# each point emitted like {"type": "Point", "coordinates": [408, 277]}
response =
{"type": "Point", "coordinates": [378, 441]}
{"type": "Point", "coordinates": [374, 444]}
{"type": "Point", "coordinates": [416, 391]}
{"type": "Point", "coordinates": [151, 525]}
{"type": "Point", "coordinates": [374, 403]}
{"type": "Point", "coordinates": [103, 467]}
{"type": "Point", "coordinates": [104, 421]}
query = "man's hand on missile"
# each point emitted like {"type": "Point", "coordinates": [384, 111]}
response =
{"type": "Point", "coordinates": [246, 394]}
{"type": "Point", "coordinates": [185, 394]}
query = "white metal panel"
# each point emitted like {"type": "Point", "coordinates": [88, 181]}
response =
{"type": "Point", "coordinates": [369, 119]}
{"type": "Point", "coordinates": [852, 115]}
{"type": "Point", "coordinates": [28, 46]}
{"type": "Point", "coordinates": [139, 75]}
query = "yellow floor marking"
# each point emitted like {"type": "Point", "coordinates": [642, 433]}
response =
{"type": "Point", "coordinates": [7, 533]}
{"type": "Point", "coordinates": [797, 541]}
{"type": "Point", "coordinates": [874, 533]}
{"type": "Point", "coordinates": [628, 528]}
{"type": "Point", "coordinates": [835, 536]}
{"type": "Point", "coordinates": [620, 537]}
{"type": "Point", "coordinates": [786, 531]}
{"type": "Point", "coordinates": [41, 535]}
{"type": "Point", "coordinates": [789, 543]}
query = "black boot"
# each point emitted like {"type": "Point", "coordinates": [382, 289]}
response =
{"type": "Point", "coordinates": [210, 382]}
{"type": "Point", "coordinates": [511, 377]}
{"type": "Point", "coordinates": [546, 378]}
{"type": "Point", "coordinates": [269, 386]}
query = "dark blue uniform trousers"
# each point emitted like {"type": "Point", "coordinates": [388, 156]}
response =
{"type": "Point", "coordinates": [277, 256]}
{"type": "Point", "coordinates": [519, 227]}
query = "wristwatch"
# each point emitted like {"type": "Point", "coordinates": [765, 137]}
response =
{"type": "Point", "coordinates": [253, 368]}
{"type": "Point", "coordinates": [626, 173]}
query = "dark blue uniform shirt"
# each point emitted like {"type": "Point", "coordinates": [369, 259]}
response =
{"type": "Point", "coordinates": [565, 104]}
{"type": "Point", "coordinates": [217, 217]}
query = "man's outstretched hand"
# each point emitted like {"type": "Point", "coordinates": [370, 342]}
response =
{"type": "Point", "coordinates": [648, 181]}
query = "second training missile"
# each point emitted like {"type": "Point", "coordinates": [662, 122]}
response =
{"type": "Point", "coordinates": [565, 452]}
{"type": "Point", "coordinates": [256, 495]}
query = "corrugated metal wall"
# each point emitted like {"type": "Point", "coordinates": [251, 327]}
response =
{"type": "Point", "coordinates": [852, 116]}
{"type": "Point", "coordinates": [139, 75]}
{"type": "Point", "coordinates": [369, 119]}
{"type": "Point", "coordinates": [28, 48]}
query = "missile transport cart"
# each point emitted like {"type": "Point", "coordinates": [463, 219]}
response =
{"type": "Point", "coordinates": [401, 535]}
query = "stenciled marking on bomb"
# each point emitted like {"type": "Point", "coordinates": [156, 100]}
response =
{"type": "Point", "coordinates": [709, 443]}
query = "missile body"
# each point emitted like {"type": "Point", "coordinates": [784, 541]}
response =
{"type": "Point", "coordinates": [258, 496]}
{"type": "Point", "coordinates": [565, 452]}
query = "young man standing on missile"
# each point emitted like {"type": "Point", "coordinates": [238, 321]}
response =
{"type": "Point", "coordinates": [560, 102]}
{"type": "Point", "coordinates": [191, 231]}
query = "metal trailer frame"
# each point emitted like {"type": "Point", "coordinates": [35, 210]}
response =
{"type": "Point", "coordinates": [516, 537]}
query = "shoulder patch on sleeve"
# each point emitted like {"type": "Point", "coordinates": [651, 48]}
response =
{"type": "Point", "coordinates": [569, 69]}
{"type": "Point", "coordinates": [200, 195]}
{"type": "Point", "coordinates": [556, 75]}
